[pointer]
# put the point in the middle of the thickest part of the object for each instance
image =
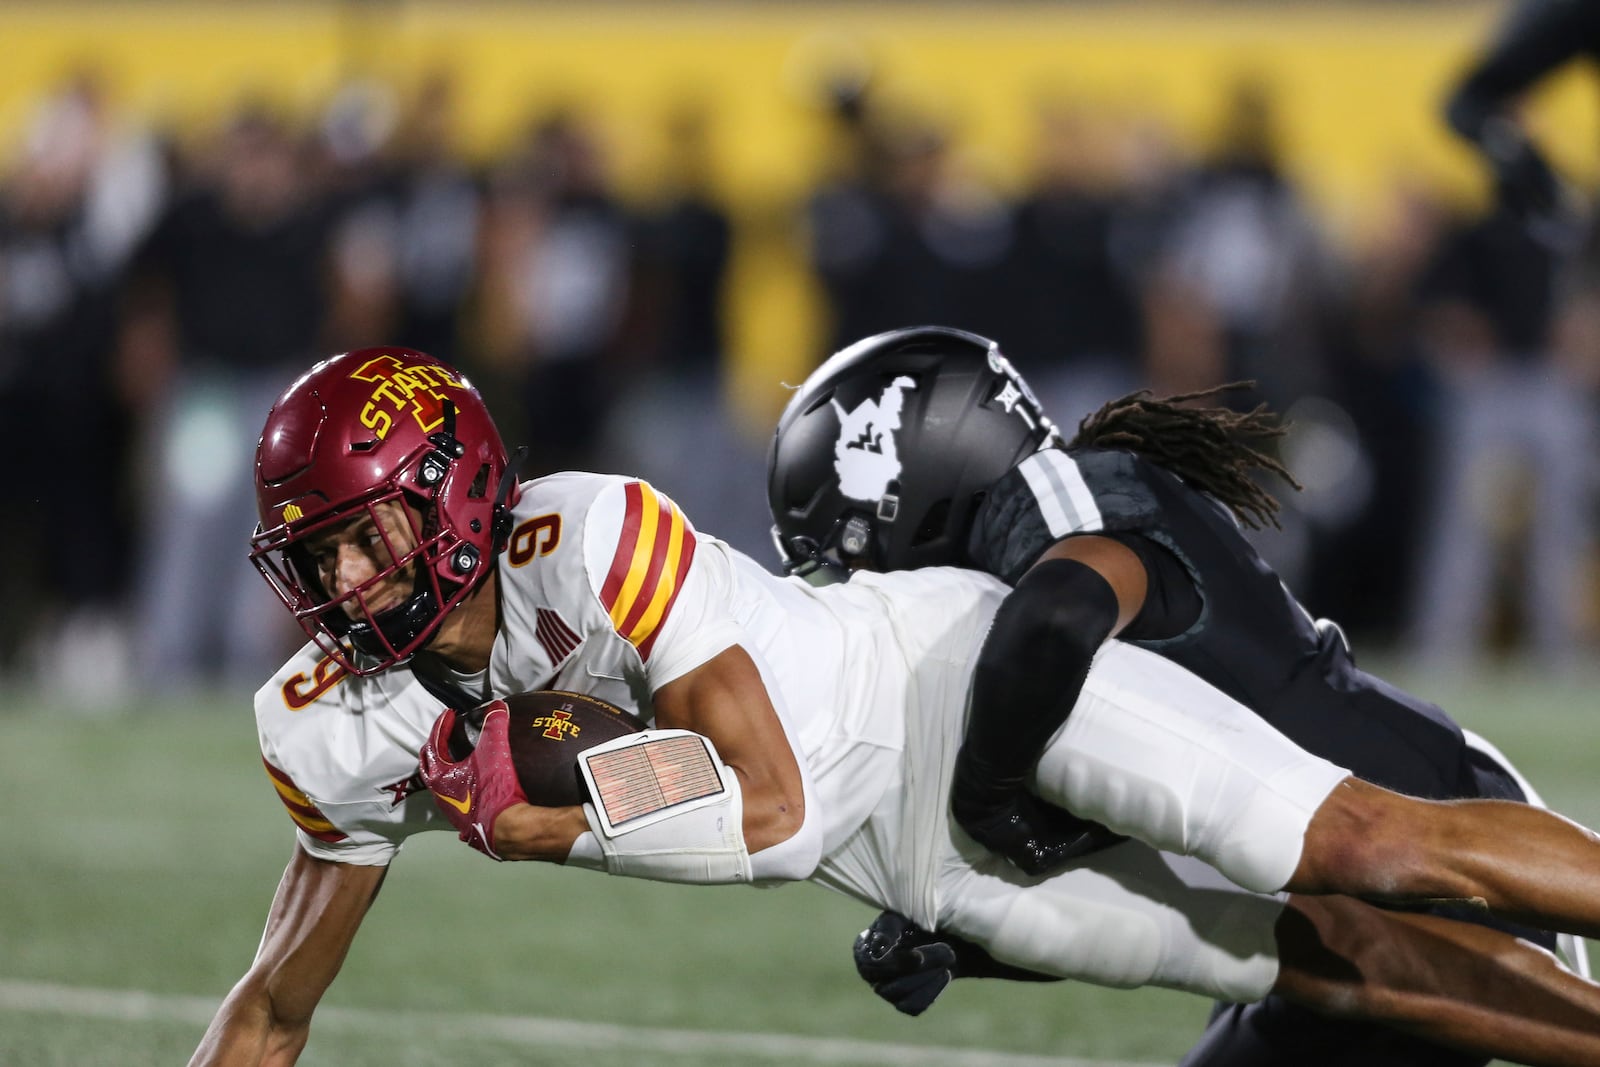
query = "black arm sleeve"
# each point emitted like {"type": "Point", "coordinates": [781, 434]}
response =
{"type": "Point", "coordinates": [1030, 672]}
{"type": "Point", "coordinates": [1537, 37]}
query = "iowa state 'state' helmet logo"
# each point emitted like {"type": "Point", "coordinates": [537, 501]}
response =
{"type": "Point", "coordinates": [403, 386]}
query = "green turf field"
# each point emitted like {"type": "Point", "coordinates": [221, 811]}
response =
{"type": "Point", "coordinates": [140, 851]}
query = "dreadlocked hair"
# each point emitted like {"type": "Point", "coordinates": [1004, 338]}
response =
{"type": "Point", "coordinates": [1213, 449]}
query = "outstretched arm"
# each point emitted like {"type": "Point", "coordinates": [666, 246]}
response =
{"type": "Point", "coordinates": [266, 1017]}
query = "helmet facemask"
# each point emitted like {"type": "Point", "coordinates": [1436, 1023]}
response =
{"type": "Point", "coordinates": [381, 633]}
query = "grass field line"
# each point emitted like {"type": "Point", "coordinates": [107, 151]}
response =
{"type": "Point", "coordinates": [138, 1006]}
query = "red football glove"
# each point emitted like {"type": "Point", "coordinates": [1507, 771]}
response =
{"type": "Point", "coordinates": [473, 792]}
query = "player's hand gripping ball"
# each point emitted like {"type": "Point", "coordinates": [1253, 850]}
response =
{"type": "Point", "coordinates": [524, 750]}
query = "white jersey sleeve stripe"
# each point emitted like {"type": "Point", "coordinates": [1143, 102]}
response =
{"type": "Point", "coordinates": [1065, 502]}
{"type": "Point", "coordinates": [648, 515]}
{"type": "Point", "coordinates": [305, 814]}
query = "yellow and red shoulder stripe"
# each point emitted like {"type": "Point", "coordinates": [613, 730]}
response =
{"type": "Point", "coordinates": [305, 814]}
{"type": "Point", "coordinates": [652, 558]}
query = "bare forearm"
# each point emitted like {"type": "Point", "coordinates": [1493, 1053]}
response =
{"type": "Point", "coordinates": [245, 1031]}
{"type": "Point", "coordinates": [266, 1017]}
{"type": "Point", "coordinates": [529, 832]}
{"type": "Point", "coordinates": [726, 700]}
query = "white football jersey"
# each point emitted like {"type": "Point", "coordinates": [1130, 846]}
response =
{"type": "Point", "coordinates": [342, 753]}
{"type": "Point", "coordinates": [607, 589]}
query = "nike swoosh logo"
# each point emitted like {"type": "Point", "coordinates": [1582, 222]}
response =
{"type": "Point", "coordinates": [463, 806]}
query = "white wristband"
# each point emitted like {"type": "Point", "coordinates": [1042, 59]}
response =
{"type": "Point", "coordinates": [665, 807]}
{"type": "Point", "coordinates": [586, 853]}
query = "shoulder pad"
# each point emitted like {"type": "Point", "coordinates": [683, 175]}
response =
{"type": "Point", "coordinates": [638, 548]}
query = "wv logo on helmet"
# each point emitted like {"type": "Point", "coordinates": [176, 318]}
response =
{"type": "Point", "coordinates": [865, 455]}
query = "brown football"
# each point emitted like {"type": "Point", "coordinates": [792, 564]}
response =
{"type": "Point", "coordinates": [548, 729]}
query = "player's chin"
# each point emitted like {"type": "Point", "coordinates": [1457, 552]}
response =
{"type": "Point", "coordinates": [377, 609]}
{"type": "Point", "coordinates": [384, 600]}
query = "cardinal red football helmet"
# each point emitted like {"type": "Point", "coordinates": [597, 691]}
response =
{"type": "Point", "coordinates": [360, 429]}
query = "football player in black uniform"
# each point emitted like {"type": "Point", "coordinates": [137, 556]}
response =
{"type": "Point", "coordinates": [1132, 530]}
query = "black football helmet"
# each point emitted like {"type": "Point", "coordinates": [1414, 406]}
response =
{"type": "Point", "coordinates": [882, 456]}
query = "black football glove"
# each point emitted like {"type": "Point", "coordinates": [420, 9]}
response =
{"type": "Point", "coordinates": [904, 964]}
{"type": "Point", "coordinates": [1037, 837]}
{"type": "Point", "coordinates": [1529, 190]}
{"type": "Point", "coordinates": [909, 966]}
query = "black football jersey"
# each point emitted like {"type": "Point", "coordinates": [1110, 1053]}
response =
{"type": "Point", "coordinates": [1252, 639]}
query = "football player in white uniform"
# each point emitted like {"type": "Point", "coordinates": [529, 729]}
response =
{"type": "Point", "coordinates": [393, 529]}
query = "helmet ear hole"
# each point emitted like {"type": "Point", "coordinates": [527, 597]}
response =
{"type": "Point", "coordinates": [480, 484]}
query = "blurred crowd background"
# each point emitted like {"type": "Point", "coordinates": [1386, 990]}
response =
{"type": "Point", "coordinates": [632, 224]}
